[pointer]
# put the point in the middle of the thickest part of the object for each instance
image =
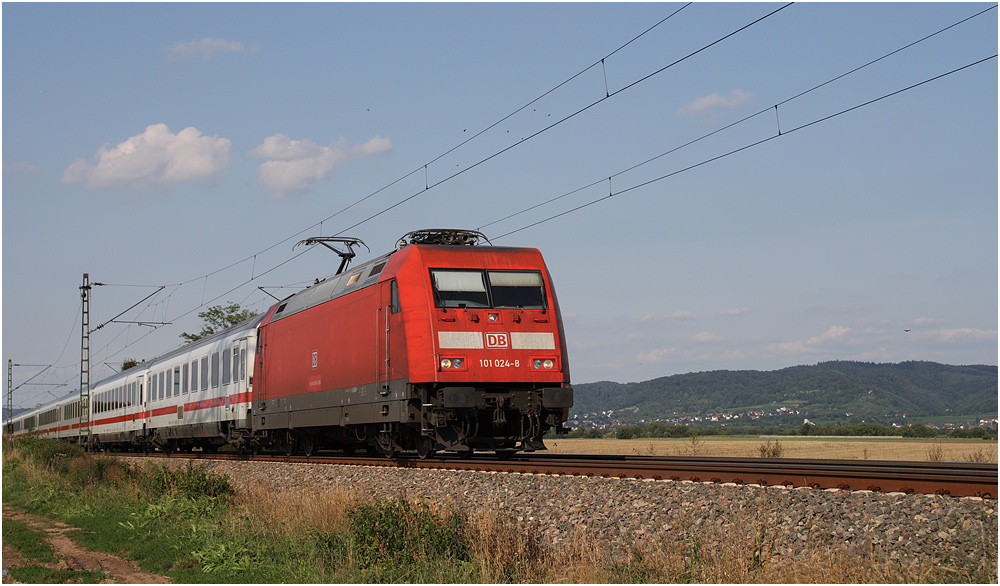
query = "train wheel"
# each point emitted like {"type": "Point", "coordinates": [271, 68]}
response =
{"type": "Point", "coordinates": [291, 442]}
{"type": "Point", "coordinates": [425, 447]}
{"type": "Point", "coordinates": [386, 445]}
{"type": "Point", "coordinates": [308, 444]}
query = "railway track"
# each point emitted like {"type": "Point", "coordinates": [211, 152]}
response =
{"type": "Point", "coordinates": [956, 479]}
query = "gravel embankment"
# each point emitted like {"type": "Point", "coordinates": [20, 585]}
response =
{"type": "Point", "coordinates": [620, 512]}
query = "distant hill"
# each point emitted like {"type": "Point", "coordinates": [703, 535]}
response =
{"type": "Point", "coordinates": [828, 392]}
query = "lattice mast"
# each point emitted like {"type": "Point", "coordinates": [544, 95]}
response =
{"type": "Point", "coordinates": [10, 397]}
{"type": "Point", "coordinates": [85, 363]}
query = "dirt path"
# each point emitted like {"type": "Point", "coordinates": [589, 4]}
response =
{"type": "Point", "coordinates": [72, 557]}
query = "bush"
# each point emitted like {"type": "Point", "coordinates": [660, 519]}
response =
{"type": "Point", "coordinates": [53, 454]}
{"type": "Point", "coordinates": [155, 480]}
{"type": "Point", "coordinates": [403, 531]}
{"type": "Point", "coordinates": [919, 430]}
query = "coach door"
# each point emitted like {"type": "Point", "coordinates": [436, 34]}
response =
{"type": "Point", "coordinates": [237, 396]}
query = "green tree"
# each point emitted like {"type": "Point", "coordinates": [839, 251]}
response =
{"type": "Point", "coordinates": [129, 363]}
{"type": "Point", "coordinates": [218, 318]}
{"type": "Point", "coordinates": [919, 430]}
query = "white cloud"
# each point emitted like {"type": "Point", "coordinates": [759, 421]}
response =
{"type": "Point", "coordinates": [155, 157]}
{"type": "Point", "coordinates": [705, 337]}
{"type": "Point", "coordinates": [674, 315]}
{"type": "Point", "coordinates": [965, 335]}
{"type": "Point", "coordinates": [833, 333]}
{"type": "Point", "coordinates": [736, 311]}
{"type": "Point", "coordinates": [714, 102]}
{"type": "Point", "coordinates": [20, 169]}
{"type": "Point", "coordinates": [812, 345]}
{"type": "Point", "coordinates": [657, 355]}
{"type": "Point", "coordinates": [295, 165]}
{"type": "Point", "coordinates": [204, 49]}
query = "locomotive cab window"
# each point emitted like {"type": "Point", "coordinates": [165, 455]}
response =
{"type": "Point", "coordinates": [459, 289]}
{"type": "Point", "coordinates": [488, 289]}
{"type": "Point", "coordinates": [517, 289]}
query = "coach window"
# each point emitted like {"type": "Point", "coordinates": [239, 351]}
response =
{"type": "Point", "coordinates": [204, 373]}
{"type": "Point", "coordinates": [163, 386]}
{"type": "Point", "coordinates": [226, 367]}
{"type": "Point", "coordinates": [184, 379]}
{"type": "Point", "coordinates": [395, 297]}
{"type": "Point", "coordinates": [194, 376]}
{"type": "Point", "coordinates": [177, 381]}
{"type": "Point", "coordinates": [170, 382]}
{"type": "Point", "coordinates": [215, 370]}
{"type": "Point", "coordinates": [459, 289]}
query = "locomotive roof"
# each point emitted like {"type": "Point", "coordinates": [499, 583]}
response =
{"type": "Point", "coordinates": [333, 287]}
{"type": "Point", "coordinates": [356, 278]}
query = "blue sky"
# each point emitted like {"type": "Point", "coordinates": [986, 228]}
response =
{"type": "Point", "coordinates": [155, 144]}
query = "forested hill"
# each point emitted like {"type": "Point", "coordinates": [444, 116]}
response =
{"type": "Point", "coordinates": [858, 391]}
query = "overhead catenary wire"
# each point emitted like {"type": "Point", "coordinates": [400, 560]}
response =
{"type": "Point", "coordinates": [568, 117]}
{"type": "Point", "coordinates": [743, 148]}
{"type": "Point", "coordinates": [737, 122]}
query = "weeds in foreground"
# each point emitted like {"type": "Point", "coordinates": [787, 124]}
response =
{"type": "Point", "coordinates": [694, 445]}
{"type": "Point", "coordinates": [770, 449]}
{"type": "Point", "coordinates": [982, 455]}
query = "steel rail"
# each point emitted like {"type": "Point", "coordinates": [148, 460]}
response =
{"type": "Point", "coordinates": [957, 479]}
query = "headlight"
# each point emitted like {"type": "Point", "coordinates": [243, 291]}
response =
{"type": "Point", "coordinates": [452, 363]}
{"type": "Point", "coordinates": [543, 363]}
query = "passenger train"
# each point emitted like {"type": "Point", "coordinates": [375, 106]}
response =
{"type": "Point", "coordinates": [444, 344]}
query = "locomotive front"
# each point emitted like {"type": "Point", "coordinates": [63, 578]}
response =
{"type": "Point", "coordinates": [439, 345]}
{"type": "Point", "coordinates": [487, 354]}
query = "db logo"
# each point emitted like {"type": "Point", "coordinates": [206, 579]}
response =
{"type": "Point", "coordinates": [495, 340]}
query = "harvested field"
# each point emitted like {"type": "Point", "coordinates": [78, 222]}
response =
{"type": "Point", "coordinates": [944, 450]}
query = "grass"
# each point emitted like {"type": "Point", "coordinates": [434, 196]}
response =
{"type": "Point", "coordinates": [190, 526]}
{"type": "Point", "coordinates": [30, 542]}
{"type": "Point", "coordinates": [35, 574]}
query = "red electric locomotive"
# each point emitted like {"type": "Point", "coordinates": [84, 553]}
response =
{"type": "Point", "coordinates": [442, 344]}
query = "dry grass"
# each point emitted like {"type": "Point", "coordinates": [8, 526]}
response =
{"type": "Point", "coordinates": [951, 450]}
{"type": "Point", "coordinates": [296, 513]}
